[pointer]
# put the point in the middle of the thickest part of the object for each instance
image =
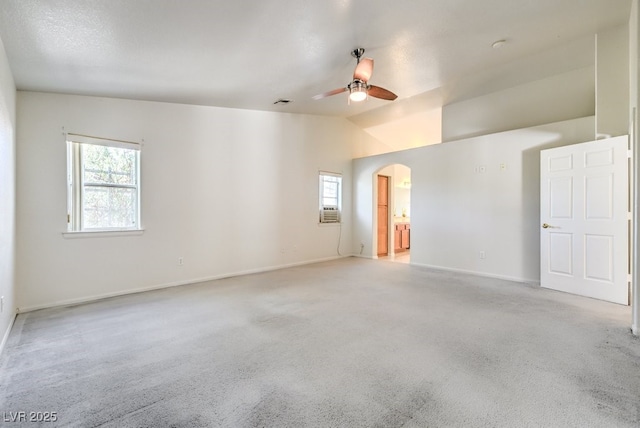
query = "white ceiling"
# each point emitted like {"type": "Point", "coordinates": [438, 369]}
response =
{"type": "Point", "coordinates": [247, 54]}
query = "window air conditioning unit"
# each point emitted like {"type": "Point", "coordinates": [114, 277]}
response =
{"type": "Point", "coordinates": [329, 215]}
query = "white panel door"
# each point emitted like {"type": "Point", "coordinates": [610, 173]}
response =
{"type": "Point", "coordinates": [584, 219]}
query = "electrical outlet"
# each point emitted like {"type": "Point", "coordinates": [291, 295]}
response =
{"type": "Point", "coordinates": [2, 304]}
{"type": "Point", "coordinates": [483, 255]}
{"type": "Point", "coordinates": [180, 261]}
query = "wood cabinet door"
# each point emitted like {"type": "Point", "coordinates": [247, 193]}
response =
{"type": "Point", "coordinates": [397, 243]}
{"type": "Point", "coordinates": [383, 215]}
{"type": "Point", "coordinates": [404, 239]}
{"type": "Point", "coordinates": [383, 190]}
{"type": "Point", "coordinates": [383, 234]}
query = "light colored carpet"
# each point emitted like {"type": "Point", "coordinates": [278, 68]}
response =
{"type": "Point", "coordinates": [348, 343]}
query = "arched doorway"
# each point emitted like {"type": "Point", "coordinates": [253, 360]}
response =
{"type": "Point", "coordinates": [392, 200]}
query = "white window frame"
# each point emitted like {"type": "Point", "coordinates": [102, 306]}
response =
{"type": "Point", "coordinates": [329, 219]}
{"type": "Point", "coordinates": [75, 185]}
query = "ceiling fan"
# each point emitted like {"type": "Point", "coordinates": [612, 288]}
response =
{"type": "Point", "coordinates": [359, 88]}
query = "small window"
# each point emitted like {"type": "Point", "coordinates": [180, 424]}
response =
{"type": "Point", "coordinates": [103, 184]}
{"type": "Point", "coordinates": [330, 197]}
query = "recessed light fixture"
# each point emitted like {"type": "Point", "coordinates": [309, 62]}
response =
{"type": "Point", "coordinates": [498, 44]}
{"type": "Point", "coordinates": [282, 101]}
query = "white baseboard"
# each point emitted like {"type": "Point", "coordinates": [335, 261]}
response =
{"type": "Point", "coordinates": [93, 298]}
{"type": "Point", "coordinates": [5, 337]}
{"type": "Point", "coordinates": [363, 256]}
{"type": "Point", "coordinates": [483, 274]}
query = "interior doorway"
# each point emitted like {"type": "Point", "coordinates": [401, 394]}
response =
{"type": "Point", "coordinates": [392, 233]}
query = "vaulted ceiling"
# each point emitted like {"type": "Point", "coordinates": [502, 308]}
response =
{"type": "Point", "coordinates": [248, 54]}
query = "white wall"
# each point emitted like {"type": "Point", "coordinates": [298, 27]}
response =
{"type": "Point", "coordinates": [564, 96]}
{"type": "Point", "coordinates": [634, 103]}
{"type": "Point", "coordinates": [230, 191]}
{"type": "Point", "coordinates": [612, 82]}
{"type": "Point", "coordinates": [458, 211]}
{"type": "Point", "coordinates": [366, 144]}
{"type": "Point", "coordinates": [413, 130]}
{"type": "Point", "coordinates": [7, 195]}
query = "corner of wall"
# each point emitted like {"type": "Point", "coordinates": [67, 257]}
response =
{"type": "Point", "coordinates": [612, 83]}
{"type": "Point", "coordinates": [5, 338]}
{"type": "Point", "coordinates": [634, 83]}
{"type": "Point", "coordinates": [8, 288]}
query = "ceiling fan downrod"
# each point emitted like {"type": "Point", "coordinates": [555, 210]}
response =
{"type": "Point", "coordinates": [357, 54]}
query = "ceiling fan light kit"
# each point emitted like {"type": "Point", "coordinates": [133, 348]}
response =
{"type": "Point", "coordinates": [357, 91]}
{"type": "Point", "coordinates": [359, 88]}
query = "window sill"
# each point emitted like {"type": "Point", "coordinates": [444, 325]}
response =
{"type": "Point", "coordinates": [102, 234]}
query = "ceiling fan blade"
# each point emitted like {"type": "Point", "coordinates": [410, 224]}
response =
{"type": "Point", "coordinates": [378, 92]}
{"type": "Point", "coordinates": [364, 70]}
{"type": "Point", "coordinates": [328, 94]}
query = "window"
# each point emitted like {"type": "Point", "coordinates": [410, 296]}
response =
{"type": "Point", "coordinates": [103, 184]}
{"type": "Point", "coordinates": [330, 197]}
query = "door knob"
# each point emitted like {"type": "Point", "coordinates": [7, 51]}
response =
{"type": "Point", "coordinates": [545, 226]}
